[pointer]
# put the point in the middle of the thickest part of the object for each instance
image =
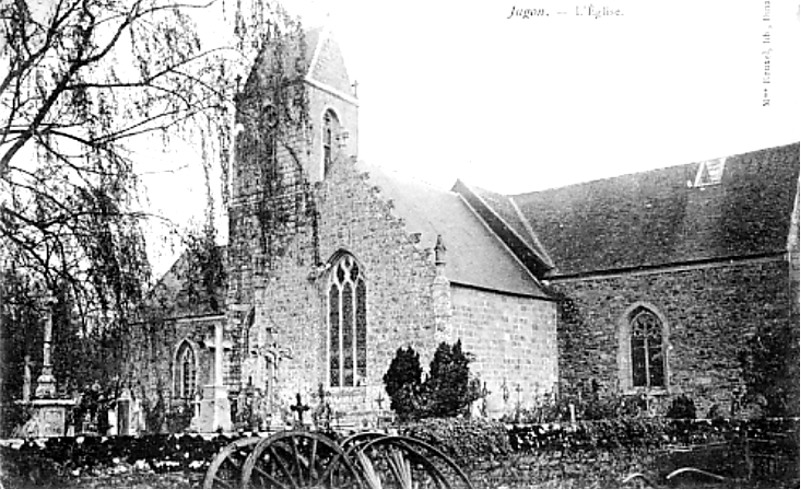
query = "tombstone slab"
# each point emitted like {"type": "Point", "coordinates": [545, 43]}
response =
{"type": "Point", "coordinates": [215, 411]}
{"type": "Point", "coordinates": [48, 418]}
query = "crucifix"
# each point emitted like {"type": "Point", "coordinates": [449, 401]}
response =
{"type": "Point", "coordinates": [518, 389]}
{"type": "Point", "coordinates": [484, 394]}
{"type": "Point", "coordinates": [299, 408]}
{"type": "Point", "coordinates": [380, 400]}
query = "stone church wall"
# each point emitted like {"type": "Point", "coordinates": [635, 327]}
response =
{"type": "Point", "coordinates": [513, 339]}
{"type": "Point", "coordinates": [710, 313]}
{"type": "Point", "coordinates": [291, 303]}
{"type": "Point", "coordinates": [150, 360]}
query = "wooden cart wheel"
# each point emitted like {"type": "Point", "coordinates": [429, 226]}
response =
{"type": "Point", "coordinates": [405, 462]}
{"type": "Point", "coordinates": [298, 459]}
{"type": "Point", "coordinates": [225, 470]}
{"type": "Point", "coordinates": [360, 438]}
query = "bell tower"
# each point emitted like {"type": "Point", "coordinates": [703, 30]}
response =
{"type": "Point", "coordinates": [297, 119]}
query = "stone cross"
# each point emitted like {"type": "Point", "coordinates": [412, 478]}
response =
{"type": "Point", "coordinates": [484, 394]}
{"type": "Point", "coordinates": [518, 389]}
{"type": "Point", "coordinates": [26, 379]}
{"type": "Point", "coordinates": [299, 408]}
{"type": "Point", "coordinates": [321, 393]}
{"type": "Point", "coordinates": [380, 400]}
{"type": "Point", "coordinates": [46, 383]}
{"type": "Point", "coordinates": [219, 345]}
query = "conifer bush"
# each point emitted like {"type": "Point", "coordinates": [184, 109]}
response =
{"type": "Point", "coordinates": [447, 391]}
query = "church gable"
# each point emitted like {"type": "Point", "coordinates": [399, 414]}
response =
{"type": "Point", "coordinates": [476, 257]}
{"type": "Point", "coordinates": [195, 285]}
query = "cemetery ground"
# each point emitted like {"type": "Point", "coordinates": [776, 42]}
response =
{"type": "Point", "coordinates": [587, 454]}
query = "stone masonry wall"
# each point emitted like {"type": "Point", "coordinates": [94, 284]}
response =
{"type": "Point", "coordinates": [150, 363]}
{"type": "Point", "coordinates": [291, 303]}
{"type": "Point", "coordinates": [514, 341]}
{"type": "Point", "coordinates": [711, 313]}
{"type": "Point", "coordinates": [795, 272]}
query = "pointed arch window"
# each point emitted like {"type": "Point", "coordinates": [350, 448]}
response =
{"type": "Point", "coordinates": [647, 345]}
{"type": "Point", "coordinates": [186, 371]}
{"type": "Point", "coordinates": [347, 324]}
{"type": "Point", "coordinates": [330, 135]}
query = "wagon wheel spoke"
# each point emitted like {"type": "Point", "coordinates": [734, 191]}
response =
{"type": "Point", "coordinates": [329, 471]}
{"type": "Point", "coordinates": [226, 468]}
{"type": "Point", "coordinates": [266, 476]}
{"type": "Point", "coordinates": [298, 459]}
{"type": "Point", "coordinates": [312, 461]}
{"type": "Point", "coordinates": [284, 469]}
{"type": "Point", "coordinates": [407, 463]}
{"type": "Point", "coordinates": [397, 466]}
{"type": "Point", "coordinates": [369, 471]}
{"type": "Point", "coordinates": [237, 464]}
{"type": "Point", "coordinates": [298, 463]}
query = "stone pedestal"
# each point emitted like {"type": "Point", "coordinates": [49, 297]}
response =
{"type": "Point", "coordinates": [215, 411]}
{"type": "Point", "coordinates": [49, 418]}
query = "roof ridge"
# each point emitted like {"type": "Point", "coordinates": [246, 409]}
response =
{"type": "Point", "coordinates": [530, 230]}
{"type": "Point", "coordinates": [653, 170]}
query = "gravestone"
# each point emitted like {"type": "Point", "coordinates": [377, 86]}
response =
{"type": "Point", "coordinates": [49, 414]}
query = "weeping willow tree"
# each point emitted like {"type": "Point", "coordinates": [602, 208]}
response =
{"type": "Point", "coordinates": [83, 83]}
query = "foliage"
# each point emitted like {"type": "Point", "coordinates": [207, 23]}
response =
{"type": "Point", "coordinates": [402, 378]}
{"type": "Point", "coordinates": [464, 440]}
{"type": "Point", "coordinates": [52, 462]}
{"type": "Point", "coordinates": [179, 418]}
{"type": "Point", "coordinates": [447, 391]}
{"type": "Point", "coordinates": [764, 366]}
{"type": "Point", "coordinates": [597, 404]}
{"type": "Point", "coordinates": [93, 405]}
{"type": "Point", "coordinates": [449, 386]}
{"type": "Point", "coordinates": [682, 407]}
{"type": "Point", "coordinates": [81, 84]}
{"type": "Point", "coordinates": [589, 455]}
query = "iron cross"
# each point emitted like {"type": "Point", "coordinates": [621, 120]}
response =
{"type": "Point", "coordinates": [299, 408]}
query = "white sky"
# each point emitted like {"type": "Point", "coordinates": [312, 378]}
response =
{"type": "Point", "coordinates": [457, 90]}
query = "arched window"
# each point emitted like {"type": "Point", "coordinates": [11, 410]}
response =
{"type": "Point", "coordinates": [330, 136]}
{"type": "Point", "coordinates": [347, 324]}
{"type": "Point", "coordinates": [185, 371]}
{"type": "Point", "coordinates": [646, 349]}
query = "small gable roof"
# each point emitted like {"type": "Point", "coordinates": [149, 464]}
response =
{"type": "Point", "coordinates": [475, 255]}
{"type": "Point", "coordinates": [660, 218]}
{"type": "Point", "coordinates": [193, 286]}
{"type": "Point", "coordinates": [308, 54]}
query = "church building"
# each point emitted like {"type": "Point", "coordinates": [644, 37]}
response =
{"type": "Point", "coordinates": [649, 283]}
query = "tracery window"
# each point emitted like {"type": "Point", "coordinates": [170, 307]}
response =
{"type": "Point", "coordinates": [647, 358]}
{"type": "Point", "coordinates": [186, 371]}
{"type": "Point", "coordinates": [347, 324]}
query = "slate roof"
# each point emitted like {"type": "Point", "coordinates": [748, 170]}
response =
{"type": "Point", "coordinates": [475, 255]}
{"type": "Point", "coordinates": [263, 66]}
{"type": "Point", "coordinates": [654, 218]}
{"type": "Point", "coordinates": [180, 292]}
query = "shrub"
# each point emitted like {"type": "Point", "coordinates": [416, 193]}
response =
{"type": "Point", "coordinates": [449, 386]}
{"type": "Point", "coordinates": [682, 407]}
{"type": "Point", "coordinates": [447, 391]}
{"type": "Point", "coordinates": [464, 440]}
{"type": "Point", "coordinates": [402, 382]}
